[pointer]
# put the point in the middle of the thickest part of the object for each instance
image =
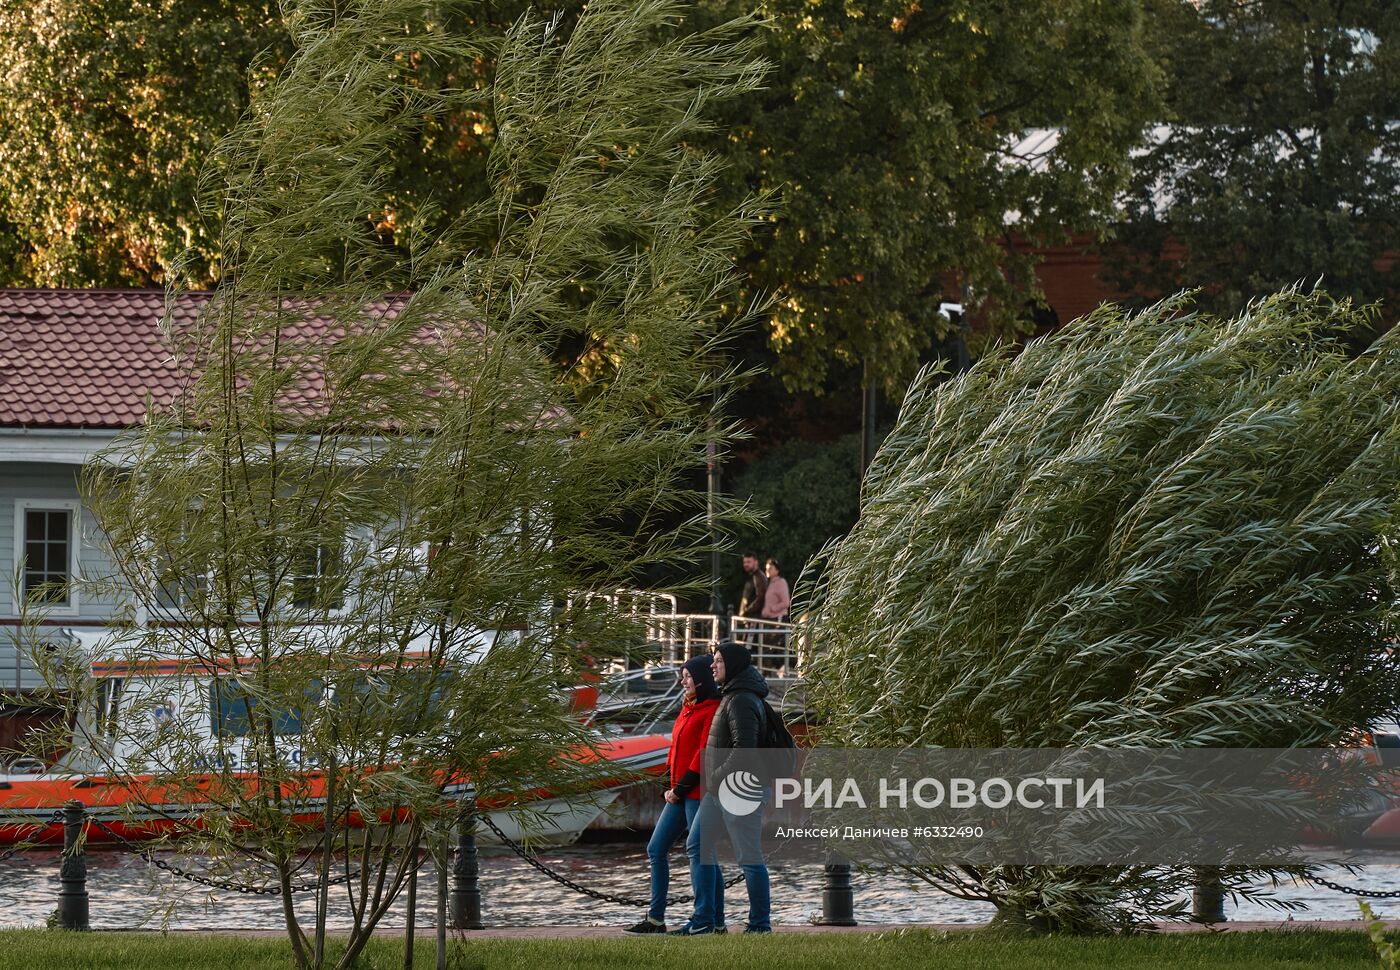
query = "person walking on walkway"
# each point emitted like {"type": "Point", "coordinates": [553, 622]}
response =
{"type": "Point", "coordinates": [740, 722]}
{"type": "Point", "coordinates": [684, 770]}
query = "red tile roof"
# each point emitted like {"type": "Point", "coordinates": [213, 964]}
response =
{"type": "Point", "coordinates": [85, 358]}
{"type": "Point", "coordinates": [95, 358]}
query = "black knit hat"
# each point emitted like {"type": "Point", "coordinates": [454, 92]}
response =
{"type": "Point", "coordinates": [702, 669]}
{"type": "Point", "coordinates": [736, 658]}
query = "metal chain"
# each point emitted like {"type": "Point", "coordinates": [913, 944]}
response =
{"type": "Point", "coordinates": [519, 850]}
{"type": "Point", "coordinates": [151, 859]}
{"type": "Point", "coordinates": [236, 887]}
{"type": "Point", "coordinates": [56, 816]}
{"type": "Point", "coordinates": [1352, 890]}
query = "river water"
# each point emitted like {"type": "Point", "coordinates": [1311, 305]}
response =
{"type": "Point", "coordinates": [125, 893]}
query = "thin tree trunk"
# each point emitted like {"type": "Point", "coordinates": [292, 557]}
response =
{"type": "Point", "coordinates": [412, 916]}
{"type": "Point", "coordinates": [289, 916]}
{"type": "Point", "coordinates": [323, 888]}
{"type": "Point", "coordinates": [362, 934]}
{"type": "Point", "coordinates": [440, 859]}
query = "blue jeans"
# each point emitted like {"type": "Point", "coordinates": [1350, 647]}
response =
{"type": "Point", "coordinates": [745, 833]}
{"type": "Point", "coordinates": [674, 820]}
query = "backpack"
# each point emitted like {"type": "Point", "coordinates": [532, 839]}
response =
{"type": "Point", "coordinates": [779, 737]}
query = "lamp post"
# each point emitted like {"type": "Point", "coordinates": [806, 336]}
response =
{"type": "Point", "coordinates": [868, 401]}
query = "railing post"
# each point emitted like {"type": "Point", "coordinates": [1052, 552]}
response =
{"type": "Point", "coordinates": [72, 877]}
{"type": "Point", "coordinates": [465, 897]}
{"type": "Point", "coordinates": [1208, 898]}
{"type": "Point", "coordinates": [838, 896]}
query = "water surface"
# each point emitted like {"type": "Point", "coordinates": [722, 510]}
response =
{"type": "Point", "coordinates": [125, 892]}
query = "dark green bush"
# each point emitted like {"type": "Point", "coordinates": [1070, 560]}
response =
{"type": "Point", "coordinates": [809, 493]}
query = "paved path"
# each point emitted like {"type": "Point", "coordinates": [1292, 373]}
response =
{"type": "Point", "coordinates": [615, 932]}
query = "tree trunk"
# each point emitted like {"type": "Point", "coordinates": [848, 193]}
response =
{"type": "Point", "coordinates": [412, 916]}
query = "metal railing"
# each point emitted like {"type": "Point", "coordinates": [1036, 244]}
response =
{"type": "Point", "coordinates": [673, 637]}
{"type": "Point", "coordinates": [772, 643]}
{"type": "Point", "coordinates": [676, 637]}
{"type": "Point", "coordinates": [643, 697]}
{"type": "Point", "coordinates": [630, 602]}
{"type": "Point", "coordinates": [680, 636]}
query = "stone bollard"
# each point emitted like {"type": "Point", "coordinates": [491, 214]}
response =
{"type": "Point", "coordinates": [466, 883]}
{"type": "Point", "coordinates": [838, 897]}
{"type": "Point", "coordinates": [72, 878]}
{"type": "Point", "coordinates": [1208, 898]}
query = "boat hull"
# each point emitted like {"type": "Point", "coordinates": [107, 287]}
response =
{"type": "Point", "coordinates": [136, 809]}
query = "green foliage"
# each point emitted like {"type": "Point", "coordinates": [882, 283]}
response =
{"type": "Point", "coordinates": [110, 109]}
{"type": "Point", "coordinates": [1386, 951]}
{"type": "Point", "coordinates": [889, 129]}
{"type": "Point", "coordinates": [113, 105]}
{"type": "Point", "coordinates": [1160, 530]}
{"type": "Point", "coordinates": [420, 448]}
{"type": "Point", "coordinates": [1281, 161]}
{"type": "Point", "coordinates": [808, 493]}
{"type": "Point", "coordinates": [886, 128]}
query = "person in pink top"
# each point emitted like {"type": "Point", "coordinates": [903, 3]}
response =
{"type": "Point", "coordinates": [777, 600]}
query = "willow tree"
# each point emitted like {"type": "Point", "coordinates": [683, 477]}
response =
{"type": "Point", "coordinates": [1161, 530]}
{"type": "Point", "coordinates": [364, 514]}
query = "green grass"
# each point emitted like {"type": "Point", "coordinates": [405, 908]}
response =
{"type": "Point", "coordinates": [1315, 950]}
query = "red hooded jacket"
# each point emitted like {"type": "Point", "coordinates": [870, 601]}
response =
{"type": "Point", "coordinates": [685, 764]}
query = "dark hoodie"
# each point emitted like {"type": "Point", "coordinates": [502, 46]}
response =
{"type": "Point", "coordinates": [742, 718]}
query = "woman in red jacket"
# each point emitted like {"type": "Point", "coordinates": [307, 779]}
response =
{"type": "Point", "coordinates": [684, 767]}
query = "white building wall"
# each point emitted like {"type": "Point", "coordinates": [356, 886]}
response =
{"type": "Point", "coordinates": [55, 485]}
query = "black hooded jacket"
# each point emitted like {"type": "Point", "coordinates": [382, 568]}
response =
{"type": "Point", "coordinates": [742, 719]}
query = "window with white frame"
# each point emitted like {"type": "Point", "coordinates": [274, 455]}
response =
{"type": "Point", "coordinates": [319, 580]}
{"type": "Point", "coordinates": [46, 545]}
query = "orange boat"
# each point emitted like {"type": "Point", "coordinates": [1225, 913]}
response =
{"type": "Point", "coordinates": [137, 807]}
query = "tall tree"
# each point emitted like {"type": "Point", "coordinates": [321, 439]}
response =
{"type": "Point", "coordinates": [1153, 531]}
{"type": "Point", "coordinates": [352, 492]}
{"type": "Point", "coordinates": [112, 106]}
{"type": "Point", "coordinates": [1280, 161]}
{"type": "Point", "coordinates": [891, 129]}
{"type": "Point", "coordinates": [109, 109]}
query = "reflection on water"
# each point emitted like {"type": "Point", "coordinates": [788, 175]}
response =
{"type": "Point", "coordinates": [125, 892]}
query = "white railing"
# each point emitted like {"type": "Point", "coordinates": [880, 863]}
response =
{"type": "Point", "coordinates": [772, 644]}
{"type": "Point", "coordinates": [680, 636]}
{"type": "Point", "coordinates": [630, 602]}
{"type": "Point", "coordinates": [643, 697]}
{"type": "Point", "coordinates": [641, 693]}
{"type": "Point", "coordinates": [645, 686]}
